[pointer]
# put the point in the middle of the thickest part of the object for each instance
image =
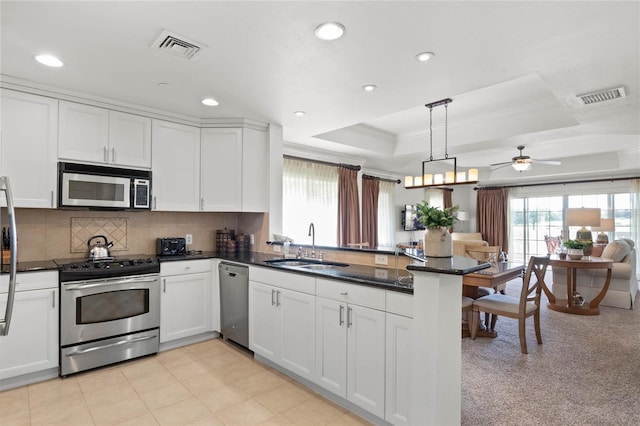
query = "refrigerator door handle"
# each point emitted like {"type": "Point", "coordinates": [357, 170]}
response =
{"type": "Point", "coordinates": [5, 187]}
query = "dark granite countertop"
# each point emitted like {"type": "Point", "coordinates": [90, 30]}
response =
{"type": "Point", "coordinates": [386, 278]}
{"type": "Point", "coordinates": [454, 265]}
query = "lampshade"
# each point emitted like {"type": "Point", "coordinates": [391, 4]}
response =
{"type": "Point", "coordinates": [521, 166]}
{"type": "Point", "coordinates": [606, 225]}
{"type": "Point", "coordinates": [583, 217]}
{"type": "Point", "coordinates": [462, 216]}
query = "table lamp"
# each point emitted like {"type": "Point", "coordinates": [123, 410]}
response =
{"type": "Point", "coordinates": [606, 225]}
{"type": "Point", "coordinates": [462, 217]}
{"type": "Point", "coordinates": [583, 217]}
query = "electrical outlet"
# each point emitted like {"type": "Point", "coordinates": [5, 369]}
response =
{"type": "Point", "coordinates": [252, 239]}
{"type": "Point", "coordinates": [382, 274]}
{"type": "Point", "coordinates": [276, 249]}
{"type": "Point", "coordinates": [381, 259]}
{"type": "Point", "coordinates": [189, 239]}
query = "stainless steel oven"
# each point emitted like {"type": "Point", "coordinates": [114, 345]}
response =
{"type": "Point", "coordinates": [109, 312]}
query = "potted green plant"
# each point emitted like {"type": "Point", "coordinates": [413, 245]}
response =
{"type": "Point", "coordinates": [437, 221]}
{"type": "Point", "coordinates": [575, 248]}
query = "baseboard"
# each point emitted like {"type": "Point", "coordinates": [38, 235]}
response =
{"type": "Point", "coordinates": [28, 379]}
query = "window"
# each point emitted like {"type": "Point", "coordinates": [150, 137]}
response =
{"type": "Point", "coordinates": [309, 195]}
{"type": "Point", "coordinates": [386, 214]}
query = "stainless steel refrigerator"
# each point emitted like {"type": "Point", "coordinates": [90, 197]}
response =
{"type": "Point", "coordinates": [10, 242]}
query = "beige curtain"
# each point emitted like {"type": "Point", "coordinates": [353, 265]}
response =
{"type": "Point", "coordinates": [446, 198]}
{"type": "Point", "coordinates": [370, 192]}
{"type": "Point", "coordinates": [348, 207]}
{"type": "Point", "coordinates": [493, 207]}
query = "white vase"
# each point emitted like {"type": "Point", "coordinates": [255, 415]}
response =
{"type": "Point", "coordinates": [575, 254]}
{"type": "Point", "coordinates": [438, 242]}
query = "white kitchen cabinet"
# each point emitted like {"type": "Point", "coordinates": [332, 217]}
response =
{"type": "Point", "coordinates": [282, 322]}
{"type": "Point", "coordinates": [97, 135]}
{"type": "Point", "coordinates": [350, 344]}
{"type": "Point", "coordinates": [32, 344]}
{"type": "Point", "coordinates": [176, 167]}
{"type": "Point", "coordinates": [28, 148]}
{"type": "Point", "coordinates": [398, 369]}
{"type": "Point", "coordinates": [233, 164]}
{"type": "Point", "coordinates": [186, 300]}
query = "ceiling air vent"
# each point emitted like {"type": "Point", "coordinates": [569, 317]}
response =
{"type": "Point", "coordinates": [177, 45]}
{"type": "Point", "coordinates": [601, 96]}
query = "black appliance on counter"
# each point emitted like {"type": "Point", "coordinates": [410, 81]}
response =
{"type": "Point", "coordinates": [175, 246]}
{"type": "Point", "coordinates": [109, 311]}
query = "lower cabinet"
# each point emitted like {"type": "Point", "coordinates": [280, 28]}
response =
{"type": "Point", "coordinates": [186, 299]}
{"type": "Point", "coordinates": [350, 353]}
{"type": "Point", "coordinates": [32, 343]}
{"type": "Point", "coordinates": [281, 327]}
{"type": "Point", "coordinates": [398, 369]}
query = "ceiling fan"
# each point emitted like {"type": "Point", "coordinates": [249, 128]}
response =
{"type": "Point", "coordinates": [523, 162]}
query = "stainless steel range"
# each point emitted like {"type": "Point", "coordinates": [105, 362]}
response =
{"type": "Point", "coordinates": [109, 311]}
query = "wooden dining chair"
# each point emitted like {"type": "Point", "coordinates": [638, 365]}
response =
{"type": "Point", "coordinates": [467, 306]}
{"type": "Point", "coordinates": [518, 308]}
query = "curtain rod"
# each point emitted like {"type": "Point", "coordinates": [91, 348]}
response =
{"type": "Point", "coordinates": [476, 188]}
{"type": "Point", "coordinates": [382, 179]}
{"type": "Point", "coordinates": [326, 163]}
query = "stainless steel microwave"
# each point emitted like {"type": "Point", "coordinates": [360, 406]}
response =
{"type": "Point", "coordinates": [103, 188]}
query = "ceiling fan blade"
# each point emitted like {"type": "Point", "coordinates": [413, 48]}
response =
{"type": "Point", "coordinates": [549, 162]}
{"type": "Point", "coordinates": [500, 164]}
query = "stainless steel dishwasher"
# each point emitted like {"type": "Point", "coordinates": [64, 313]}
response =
{"type": "Point", "coordinates": [234, 302]}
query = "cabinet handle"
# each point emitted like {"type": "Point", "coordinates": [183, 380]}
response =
{"type": "Point", "coordinates": [277, 297]}
{"type": "Point", "coordinates": [53, 299]}
{"type": "Point", "coordinates": [52, 200]}
{"type": "Point", "coordinates": [344, 293]}
{"type": "Point", "coordinates": [105, 154]}
{"type": "Point", "coordinates": [272, 300]}
{"type": "Point", "coordinates": [201, 203]}
{"type": "Point", "coordinates": [113, 155]}
{"type": "Point", "coordinates": [164, 285]}
{"type": "Point", "coordinates": [154, 202]}
{"type": "Point", "coordinates": [349, 323]}
{"type": "Point", "coordinates": [341, 315]}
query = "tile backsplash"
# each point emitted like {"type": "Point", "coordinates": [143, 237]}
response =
{"type": "Point", "coordinates": [45, 234]}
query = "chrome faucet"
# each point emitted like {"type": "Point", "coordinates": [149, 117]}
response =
{"type": "Point", "coordinates": [312, 234]}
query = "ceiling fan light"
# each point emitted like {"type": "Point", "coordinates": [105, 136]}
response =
{"type": "Point", "coordinates": [521, 166]}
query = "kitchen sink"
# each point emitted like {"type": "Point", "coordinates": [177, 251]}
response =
{"type": "Point", "coordinates": [306, 263]}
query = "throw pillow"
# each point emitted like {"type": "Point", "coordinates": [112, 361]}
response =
{"type": "Point", "coordinates": [616, 250]}
{"type": "Point", "coordinates": [630, 242]}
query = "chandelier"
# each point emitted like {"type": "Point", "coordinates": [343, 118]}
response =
{"type": "Point", "coordinates": [450, 175]}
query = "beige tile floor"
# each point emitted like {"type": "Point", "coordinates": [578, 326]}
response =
{"type": "Point", "coordinates": [208, 383]}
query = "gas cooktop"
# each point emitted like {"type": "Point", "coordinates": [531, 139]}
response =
{"type": "Point", "coordinates": [84, 269]}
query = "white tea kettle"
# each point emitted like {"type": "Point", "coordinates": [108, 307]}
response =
{"type": "Point", "coordinates": [99, 250]}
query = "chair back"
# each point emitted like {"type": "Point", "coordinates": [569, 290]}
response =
{"type": "Point", "coordinates": [489, 254]}
{"type": "Point", "coordinates": [533, 281]}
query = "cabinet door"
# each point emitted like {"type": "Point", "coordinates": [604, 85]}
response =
{"type": "Point", "coordinates": [255, 171]}
{"type": "Point", "coordinates": [32, 343]}
{"type": "Point", "coordinates": [185, 306]}
{"type": "Point", "coordinates": [264, 321]}
{"type": "Point", "coordinates": [297, 311]}
{"type": "Point", "coordinates": [129, 140]}
{"type": "Point", "coordinates": [28, 148]}
{"type": "Point", "coordinates": [331, 345]}
{"type": "Point", "coordinates": [175, 166]}
{"type": "Point", "coordinates": [221, 169]}
{"type": "Point", "coordinates": [397, 369]}
{"type": "Point", "coordinates": [365, 358]}
{"type": "Point", "coordinates": [83, 133]}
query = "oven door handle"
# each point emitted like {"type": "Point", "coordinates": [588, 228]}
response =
{"type": "Point", "coordinates": [109, 283]}
{"type": "Point", "coordinates": [111, 345]}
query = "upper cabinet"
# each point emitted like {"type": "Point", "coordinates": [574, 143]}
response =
{"type": "Point", "coordinates": [98, 135]}
{"type": "Point", "coordinates": [28, 148]}
{"type": "Point", "coordinates": [176, 167]}
{"type": "Point", "coordinates": [234, 172]}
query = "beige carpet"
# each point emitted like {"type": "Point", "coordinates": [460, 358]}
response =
{"type": "Point", "coordinates": [586, 372]}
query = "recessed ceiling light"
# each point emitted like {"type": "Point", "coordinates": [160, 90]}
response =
{"type": "Point", "coordinates": [369, 87]}
{"type": "Point", "coordinates": [49, 60]}
{"type": "Point", "coordinates": [330, 31]}
{"type": "Point", "coordinates": [424, 56]}
{"type": "Point", "coordinates": [299, 113]}
{"type": "Point", "coordinates": [210, 102]}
